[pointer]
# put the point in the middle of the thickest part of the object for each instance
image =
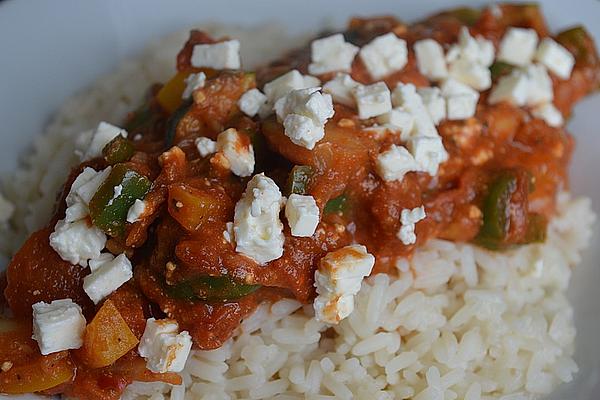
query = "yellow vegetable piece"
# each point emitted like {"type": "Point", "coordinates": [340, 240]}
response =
{"type": "Point", "coordinates": [24, 369]}
{"type": "Point", "coordinates": [169, 96]}
{"type": "Point", "coordinates": [107, 338]}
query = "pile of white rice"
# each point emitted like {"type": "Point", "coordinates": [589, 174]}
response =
{"type": "Point", "coordinates": [459, 322]}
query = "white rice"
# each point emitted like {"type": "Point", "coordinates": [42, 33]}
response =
{"type": "Point", "coordinates": [459, 322]}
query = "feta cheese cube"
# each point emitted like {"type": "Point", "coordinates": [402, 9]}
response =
{"type": "Point", "coordinates": [164, 349]}
{"type": "Point", "coordinates": [549, 113]}
{"type": "Point", "coordinates": [476, 50]}
{"type": "Point", "coordinates": [461, 100]}
{"type": "Point", "coordinates": [107, 278]}
{"type": "Point", "coordinates": [471, 73]}
{"type": "Point", "coordinates": [193, 82]}
{"type": "Point", "coordinates": [434, 102]}
{"type": "Point", "coordinates": [251, 102]}
{"type": "Point", "coordinates": [102, 259]}
{"type": "Point", "coordinates": [340, 88]}
{"type": "Point", "coordinates": [58, 326]}
{"type": "Point", "coordinates": [372, 100]}
{"type": "Point", "coordinates": [256, 225]}
{"type": "Point", "coordinates": [428, 152]}
{"type": "Point", "coordinates": [430, 59]}
{"type": "Point", "coordinates": [228, 232]}
{"type": "Point", "coordinates": [77, 242]}
{"type": "Point", "coordinates": [406, 96]}
{"type": "Point", "coordinates": [136, 211]}
{"type": "Point", "coordinates": [398, 119]}
{"type": "Point", "coordinates": [6, 209]}
{"type": "Point", "coordinates": [238, 150]}
{"type": "Point", "coordinates": [518, 46]}
{"type": "Point", "coordinates": [222, 55]}
{"type": "Point", "coordinates": [511, 88]}
{"type": "Point", "coordinates": [384, 55]}
{"type": "Point", "coordinates": [395, 162]}
{"type": "Point", "coordinates": [338, 280]}
{"type": "Point", "coordinates": [540, 88]}
{"type": "Point", "coordinates": [461, 106]}
{"type": "Point", "coordinates": [408, 219]}
{"type": "Point", "coordinates": [282, 85]}
{"type": "Point", "coordinates": [304, 113]}
{"type": "Point", "coordinates": [302, 214]}
{"type": "Point", "coordinates": [101, 136]}
{"type": "Point", "coordinates": [302, 131]}
{"type": "Point", "coordinates": [331, 54]}
{"type": "Point", "coordinates": [555, 57]}
{"type": "Point", "coordinates": [205, 146]}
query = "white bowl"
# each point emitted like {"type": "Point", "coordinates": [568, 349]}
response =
{"type": "Point", "coordinates": [51, 49]}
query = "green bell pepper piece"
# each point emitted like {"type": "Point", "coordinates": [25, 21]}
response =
{"type": "Point", "coordinates": [336, 205]}
{"type": "Point", "coordinates": [500, 68]}
{"type": "Point", "coordinates": [109, 206]}
{"type": "Point", "coordinates": [536, 229]}
{"type": "Point", "coordinates": [210, 288]}
{"type": "Point", "coordinates": [467, 15]}
{"type": "Point", "coordinates": [576, 40]}
{"type": "Point", "coordinates": [496, 211]}
{"type": "Point", "coordinates": [299, 179]}
{"type": "Point", "coordinates": [118, 150]}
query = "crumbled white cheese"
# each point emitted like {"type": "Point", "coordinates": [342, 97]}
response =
{"type": "Point", "coordinates": [549, 113]}
{"type": "Point", "coordinates": [85, 186]}
{"type": "Point", "coordinates": [205, 146]}
{"type": "Point", "coordinates": [372, 100]}
{"type": "Point", "coordinates": [331, 54]}
{"type": "Point", "coordinates": [100, 260]}
{"type": "Point", "coordinates": [528, 86]}
{"type": "Point", "coordinates": [136, 211]}
{"type": "Point", "coordinates": [107, 278]}
{"type": "Point", "coordinates": [540, 85]}
{"type": "Point", "coordinates": [428, 151]}
{"type": "Point", "coordinates": [58, 326]}
{"type": "Point", "coordinates": [237, 150]}
{"type": "Point", "coordinates": [477, 50]}
{"type": "Point", "coordinates": [222, 55]}
{"type": "Point", "coordinates": [384, 55]}
{"type": "Point", "coordinates": [163, 347]}
{"type": "Point", "coordinates": [511, 88]}
{"type": "Point", "coordinates": [282, 85]}
{"type": "Point", "coordinates": [555, 57]}
{"type": "Point", "coordinates": [102, 135]}
{"type": "Point", "coordinates": [77, 242]}
{"type": "Point", "coordinates": [117, 190]}
{"type": "Point", "coordinates": [435, 103]}
{"type": "Point", "coordinates": [256, 225]}
{"type": "Point", "coordinates": [193, 82]}
{"type": "Point", "coordinates": [461, 100]}
{"type": "Point", "coordinates": [340, 88]}
{"type": "Point", "coordinates": [251, 101]}
{"type": "Point", "coordinates": [398, 120]}
{"type": "Point", "coordinates": [395, 162]}
{"type": "Point", "coordinates": [475, 75]}
{"type": "Point", "coordinates": [405, 95]}
{"type": "Point", "coordinates": [408, 219]}
{"type": "Point", "coordinates": [7, 209]}
{"type": "Point", "coordinates": [518, 46]}
{"type": "Point", "coordinates": [302, 214]}
{"type": "Point", "coordinates": [338, 279]}
{"type": "Point", "coordinates": [470, 59]}
{"type": "Point", "coordinates": [430, 59]}
{"type": "Point", "coordinates": [304, 113]}
{"type": "Point", "coordinates": [228, 232]}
